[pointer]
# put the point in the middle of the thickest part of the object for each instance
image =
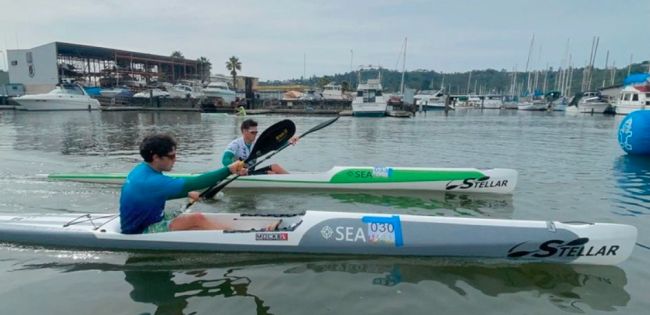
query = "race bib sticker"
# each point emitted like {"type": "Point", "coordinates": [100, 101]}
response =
{"type": "Point", "coordinates": [382, 172]}
{"type": "Point", "coordinates": [384, 230]}
{"type": "Point", "coordinates": [271, 236]}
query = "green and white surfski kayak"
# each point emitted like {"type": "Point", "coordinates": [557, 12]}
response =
{"type": "Point", "coordinates": [496, 180]}
{"type": "Point", "coordinates": [322, 232]}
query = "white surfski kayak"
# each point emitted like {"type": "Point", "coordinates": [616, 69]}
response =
{"type": "Point", "coordinates": [496, 180]}
{"type": "Point", "coordinates": [321, 232]}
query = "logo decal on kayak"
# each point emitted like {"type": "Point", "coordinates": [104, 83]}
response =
{"type": "Point", "coordinates": [326, 232]}
{"type": "Point", "coordinates": [376, 172]}
{"type": "Point", "coordinates": [385, 172]}
{"type": "Point", "coordinates": [376, 230]}
{"type": "Point", "coordinates": [477, 183]}
{"type": "Point", "coordinates": [559, 248]}
{"type": "Point", "coordinates": [271, 236]}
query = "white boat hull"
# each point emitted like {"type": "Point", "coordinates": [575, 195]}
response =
{"type": "Point", "coordinates": [60, 102]}
{"type": "Point", "coordinates": [227, 95]}
{"type": "Point", "coordinates": [626, 109]}
{"type": "Point", "coordinates": [532, 106]}
{"type": "Point", "coordinates": [369, 109]}
{"type": "Point", "coordinates": [596, 108]}
{"type": "Point", "coordinates": [321, 232]}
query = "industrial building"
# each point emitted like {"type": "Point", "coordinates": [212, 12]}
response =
{"type": "Point", "coordinates": [42, 67]}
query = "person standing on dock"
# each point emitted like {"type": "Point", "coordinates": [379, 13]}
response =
{"type": "Point", "coordinates": [240, 148]}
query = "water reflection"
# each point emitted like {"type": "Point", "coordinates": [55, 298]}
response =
{"type": "Point", "coordinates": [421, 203]}
{"type": "Point", "coordinates": [171, 282]}
{"type": "Point", "coordinates": [170, 293]}
{"type": "Point", "coordinates": [483, 205]}
{"type": "Point", "coordinates": [108, 133]}
{"type": "Point", "coordinates": [565, 286]}
{"type": "Point", "coordinates": [632, 175]}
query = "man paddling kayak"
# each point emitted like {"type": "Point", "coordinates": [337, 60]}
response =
{"type": "Point", "coordinates": [145, 190]}
{"type": "Point", "coordinates": [240, 148]}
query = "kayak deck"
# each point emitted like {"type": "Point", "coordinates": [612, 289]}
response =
{"type": "Point", "coordinates": [321, 232]}
{"type": "Point", "coordinates": [354, 178]}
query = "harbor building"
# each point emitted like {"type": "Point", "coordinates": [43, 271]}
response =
{"type": "Point", "coordinates": [42, 67]}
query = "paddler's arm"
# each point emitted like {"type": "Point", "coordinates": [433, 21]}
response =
{"type": "Point", "coordinates": [227, 158]}
{"type": "Point", "coordinates": [207, 179]}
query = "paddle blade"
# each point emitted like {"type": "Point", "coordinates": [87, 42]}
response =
{"type": "Point", "coordinates": [272, 139]}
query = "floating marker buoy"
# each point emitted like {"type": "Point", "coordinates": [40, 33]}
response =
{"type": "Point", "coordinates": [634, 133]}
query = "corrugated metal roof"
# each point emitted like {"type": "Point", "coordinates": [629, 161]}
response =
{"type": "Point", "coordinates": [87, 51]}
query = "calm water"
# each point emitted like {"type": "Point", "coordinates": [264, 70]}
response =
{"type": "Point", "coordinates": [570, 168]}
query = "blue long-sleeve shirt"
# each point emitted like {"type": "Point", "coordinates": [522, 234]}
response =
{"type": "Point", "coordinates": [145, 191]}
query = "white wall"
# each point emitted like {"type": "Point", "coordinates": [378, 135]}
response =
{"type": "Point", "coordinates": [43, 75]}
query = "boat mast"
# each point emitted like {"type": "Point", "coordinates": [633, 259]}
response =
{"type": "Point", "coordinates": [403, 69]}
{"type": "Point", "coordinates": [629, 66]}
{"type": "Point", "coordinates": [530, 50]}
{"type": "Point", "coordinates": [606, 65]}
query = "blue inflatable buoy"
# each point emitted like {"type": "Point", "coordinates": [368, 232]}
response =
{"type": "Point", "coordinates": [634, 133]}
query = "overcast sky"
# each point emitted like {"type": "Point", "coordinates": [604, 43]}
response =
{"type": "Point", "coordinates": [271, 38]}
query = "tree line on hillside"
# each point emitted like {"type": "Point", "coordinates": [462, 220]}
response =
{"type": "Point", "coordinates": [481, 81]}
{"type": "Point", "coordinates": [487, 81]}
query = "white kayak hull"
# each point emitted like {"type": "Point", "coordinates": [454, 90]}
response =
{"type": "Point", "coordinates": [320, 232]}
{"type": "Point", "coordinates": [355, 178]}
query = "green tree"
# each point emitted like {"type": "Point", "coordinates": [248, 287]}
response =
{"type": "Point", "coordinates": [177, 54]}
{"type": "Point", "coordinates": [345, 86]}
{"type": "Point", "coordinates": [324, 81]}
{"type": "Point", "coordinates": [233, 64]}
{"type": "Point", "coordinates": [205, 66]}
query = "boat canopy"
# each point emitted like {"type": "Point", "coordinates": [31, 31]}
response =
{"type": "Point", "coordinates": [637, 78]}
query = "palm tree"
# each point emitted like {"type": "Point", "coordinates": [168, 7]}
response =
{"type": "Point", "coordinates": [233, 65]}
{"type": "Point", "coordinates": [204, 68]}
{"type": "Point", "coordinates": [177, 54]}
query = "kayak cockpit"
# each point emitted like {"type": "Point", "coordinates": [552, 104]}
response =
{"type": "Point", "coordinates": [236, 222]}
{"type": "Point", "coordinates": [239, 223]}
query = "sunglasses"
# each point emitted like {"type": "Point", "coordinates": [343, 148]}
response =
{"type": "Point", "coordinates": [253, 132]}
{"type": "Point", "coordinates": [170, 156]}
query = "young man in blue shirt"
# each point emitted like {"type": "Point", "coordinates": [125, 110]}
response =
{"type": "Point", "coordinates": [142, 201]}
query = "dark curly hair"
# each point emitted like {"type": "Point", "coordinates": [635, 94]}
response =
{"type": "Point", "coordinates": [247, 124]}
{"type": "Point", "coordinates": [158, 144]}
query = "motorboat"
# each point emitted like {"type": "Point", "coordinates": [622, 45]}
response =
{"type": "Point", "coordinates": [537, 105]}
{"type": "Point", "coordinates": [632, 98]}
{"type": "Point", "coordinates": [152, 93]}
{"type": "Point", "coordinates": [183, 91]}
{"type": "Point", "coordinates": [63, 97]}
{"type": "Point", "coordinates": [116, 92]}
{"type": "Point", "coordinates": [332, 91]}
{"type": "Point", "coordinates": [555, 101]}
{"type": "Point", "coordinates": [492, 101]}
{"type": "Point", "coordinates": [370, 100]}
{"type": "Point", "coordinates": [430, 100]}
{"type": "Point", "coordinates": [311, 95]}
{"type": "Point", "coordinates": [535, 102]}
{"type": "Point", "coordinates": [591, 102]}
{"type": "Point", "coordinates": [220, 89]}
